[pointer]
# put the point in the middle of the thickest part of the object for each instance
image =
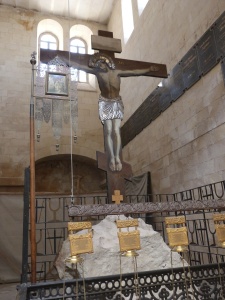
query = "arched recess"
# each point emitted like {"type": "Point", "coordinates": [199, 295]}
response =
{"type": "Point", "coordinates": [50, 26]}
{"type": "Point", "coordinates": [53, 175]}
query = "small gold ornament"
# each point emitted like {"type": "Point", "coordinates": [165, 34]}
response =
{"type": "Point", "coordinates": [117, 197]}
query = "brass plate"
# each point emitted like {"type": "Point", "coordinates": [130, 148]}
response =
{"type": "Point", "coordinates": [80, 244]}
{"type": "Point", "coordinates": [177, 236]}
{"type": "Point", "coordinates": [72, 226]}
{"type": "Point", "coordinates": [174, 220]}
{"type": "Point", "coordinates": [127, 223]}
{"type": "Point", "coordinates": [129, 240]}
{"type": "Point", "coordinates": [219, 217]}
{"type": "Point", "coordinates": [220, 232]}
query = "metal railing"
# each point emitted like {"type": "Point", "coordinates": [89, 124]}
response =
{"type": "Point", "coordinates": [197, 282]}
{"type": "Point", "coordinates": [52, 218]}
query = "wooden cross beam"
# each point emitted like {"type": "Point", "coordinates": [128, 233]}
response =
{"type": "Point", "coordinates": [105, 43]}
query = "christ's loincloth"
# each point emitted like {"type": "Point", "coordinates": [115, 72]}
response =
{"type": "Point", "coordinates": [110, 109]}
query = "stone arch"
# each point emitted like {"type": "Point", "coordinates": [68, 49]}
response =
{"type": "Point", "coordinates": [53, 175]}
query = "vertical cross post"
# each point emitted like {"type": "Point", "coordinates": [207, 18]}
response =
{"type": "Point", "coordinates": [115, 180]}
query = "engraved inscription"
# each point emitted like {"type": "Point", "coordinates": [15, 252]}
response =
{"type": "Point", "coordinates": [177, 236]}
{"type": "Point", "coordinates": [220, 35]}
{"type": "Point", "coordinates": [129, 240]}
{"type": "Point", "coordinates": [80, 244]}
{"type": "Point", "coordinates": [206, 49]}
{"type": "Point", "coordinates": [191, 72]}
{"type": "Point", "coordinates": [176, 82]}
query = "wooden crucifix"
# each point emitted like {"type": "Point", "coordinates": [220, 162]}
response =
{"type": "Point", "coordinates": [108, 71]}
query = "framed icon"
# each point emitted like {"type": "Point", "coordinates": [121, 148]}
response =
{"type": "Point", "coordinates": [56, 84]}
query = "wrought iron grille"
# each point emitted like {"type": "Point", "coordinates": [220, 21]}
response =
{"type": "Point", "coordinates": [198, 282]}
{"type": "Point", "coordinates": [52, 218]}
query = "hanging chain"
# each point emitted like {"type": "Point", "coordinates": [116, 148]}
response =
{"type": "Point", "coordinates": [64, 282]}
{"type": "Point", "coordinates": [136, 280]}
{"type": "Point", "coordinates": [76, 290]}
{"type": "Point", "coordinates": [121, 290]}
{"type": "Point", "coordinates": [173, 279]}
{"type": "Point", "coordinates": [82, 268]}
{"type": "Point", "coordinates": [189, 272]}
{"type": "Point", "coordinates": [220, 277]}
{"type": "Point", "coordinates": [185, 279]}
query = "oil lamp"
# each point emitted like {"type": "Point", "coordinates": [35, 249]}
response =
{"type": "Point", "coordinates": [177, 233]}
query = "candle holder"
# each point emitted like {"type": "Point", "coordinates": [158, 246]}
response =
{"type": "Point", "coordinates": [177, 233]}
{"type": "Point", "coordinates": [79, 243]}
{"type": "Point", "coordinates": [129, 240]}
{"type": "Point", "coordinates": [219, 222]}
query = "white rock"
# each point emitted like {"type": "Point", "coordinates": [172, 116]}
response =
{"type": "Point", "coordinates": [105, 260]}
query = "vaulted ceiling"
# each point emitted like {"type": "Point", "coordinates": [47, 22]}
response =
{"type": "Point", "coordinates": [87, 10]}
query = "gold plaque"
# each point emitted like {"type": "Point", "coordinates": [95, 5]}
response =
{"type": "Point", "coordinates": [219, 217]}
{"type": "Point", "coordinates": [75, 226]}
{"type": "Point", "coordinates": [80, 244]}
{"type": "Point", "coordinates": [177, 236]}
{"type": "Point", "coordinates": [219, 220]}
{"type": "Point", "coordinates": [177, 233]}
{"type": "Point", "coordinates": [127, 223]}
{"type": "Point", "coordinates": [174, 220]}
{"type": "Point", "coordinates": [129, 240]}
{"type": "Point", "coordinates": [220, 231]}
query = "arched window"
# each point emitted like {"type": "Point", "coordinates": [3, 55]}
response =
{"type": "Point", "coordinates": [127, 17]}
{"type": "Point", "coordinates": [49, 35]}
{"type": "Point", "coordinates": [77, 45]}
{"type": "Point", "coordinates": [48, 41]}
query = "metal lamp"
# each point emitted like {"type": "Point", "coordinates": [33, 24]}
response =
{"type": "Point", "coordinates": [129, 240]}
{"type": "Point", "coordinates": [79, 244]}
{"type": "Point", "coordinates": [219, 222]}
{"type": "Point", "coordinates": [177, 233]}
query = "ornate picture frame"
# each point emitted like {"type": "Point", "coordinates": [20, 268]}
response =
{"type": "Point", "coordinates": [56, 84]}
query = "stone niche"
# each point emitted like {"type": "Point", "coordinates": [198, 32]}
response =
{"type": "Point", "coordinates": [53, 175]}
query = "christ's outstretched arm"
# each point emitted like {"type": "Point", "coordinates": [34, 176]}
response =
{"type": "Point", "coordinates": [75, 60]}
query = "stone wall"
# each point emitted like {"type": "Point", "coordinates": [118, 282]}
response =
{"type": "Point", "coordinates": [18, 34]}
{"type": "Point", "coordinates": [185, 146]}
{"type": "Point", "coordinates": [53, 175]}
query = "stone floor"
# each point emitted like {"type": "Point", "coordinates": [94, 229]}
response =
{"type": "Point", "coordinates": [8, 291]}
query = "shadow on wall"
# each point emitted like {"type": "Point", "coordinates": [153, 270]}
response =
{"type": "Point", "coordinates": [53, 175]}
